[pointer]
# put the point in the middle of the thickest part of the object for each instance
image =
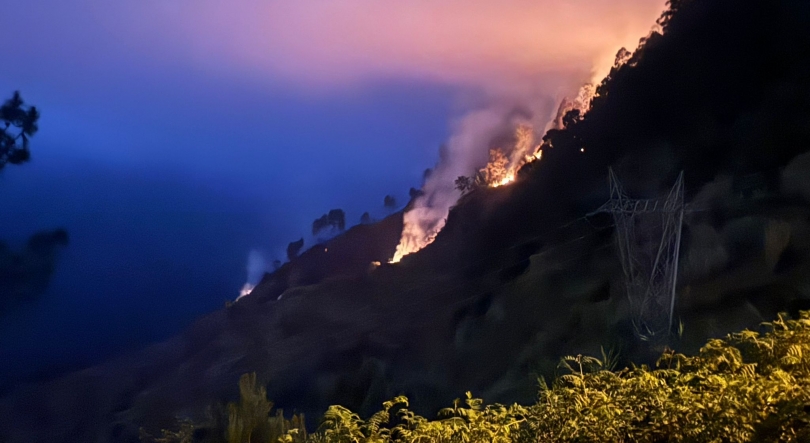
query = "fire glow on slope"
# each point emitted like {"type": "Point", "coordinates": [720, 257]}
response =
{"type": "Point", "coordinates": [428, 216]}
{"type": "Point", "coordinates": [256, 267]}
{"type": "Point", "coordinates": [528, 52]}
{"type": "Point", "coordinates": [502, 169]}
{"type": "Point", "coordinates": [426, 219]}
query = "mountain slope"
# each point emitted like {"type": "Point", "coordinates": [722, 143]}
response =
{"type": "Point", "coordinates": [517, 278]}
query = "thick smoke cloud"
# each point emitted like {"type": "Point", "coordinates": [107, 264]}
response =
{"type": "Point", "coordinates": [467, 150]}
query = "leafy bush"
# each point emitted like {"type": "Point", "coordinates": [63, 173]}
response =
{"type": "Point", "coordinates": [748, 387]}
{"type": "Point", "coordinates": [247, 421]}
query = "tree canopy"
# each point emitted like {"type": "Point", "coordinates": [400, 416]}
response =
{"type": "Point", "coordinates": [335, 219]}
{"type": "Point", "coordinates": [19, 124]}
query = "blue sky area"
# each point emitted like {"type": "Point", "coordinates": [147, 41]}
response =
{"type": "Point", "coordinates": [165, 177]}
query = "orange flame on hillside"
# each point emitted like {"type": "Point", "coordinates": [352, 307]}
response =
{"type": "Point", "coordinates": [414, 236]}
{"type": "Point", "coordinates": [429, 212]}
{"type": "Point", "coordinates": [501, 169]}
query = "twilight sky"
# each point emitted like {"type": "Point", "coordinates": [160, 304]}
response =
{"type": "Point", "coordinates": [177, 135]}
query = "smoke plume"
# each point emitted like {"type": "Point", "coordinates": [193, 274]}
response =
{"type": "Point", "coordinates": [519, 54]}
{"type": "Point", "coordinates": [256, 267]}
{"type": "Point", "coordinates": [467, 150]}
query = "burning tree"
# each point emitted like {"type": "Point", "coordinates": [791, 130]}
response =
{"type": "Point", "coordinates": [497, 171]}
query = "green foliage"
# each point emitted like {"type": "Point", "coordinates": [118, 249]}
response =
{"type": "Point", "coordinates": [343, 426]}
{"type": "Point", "coordinates": [246, 421]}
{"type": "Point", "coordinates": [748, 387]}
{"type": "Point", "coordinates": [183, 434]}
{"type": "Point", "coordinates": [249, 420]}
{"type": "Point", "coordinates": [745, 388]}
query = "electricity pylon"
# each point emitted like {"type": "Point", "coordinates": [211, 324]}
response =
{"type": "Point", "coordinates": [648, 240]}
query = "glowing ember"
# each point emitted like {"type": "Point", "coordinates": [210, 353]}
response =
{"type": "Point", "coordinates": [505, 181]}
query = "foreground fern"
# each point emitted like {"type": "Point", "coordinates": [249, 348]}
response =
{"type": "Point", "coordinates": [744, 388]}
{"type": "Point", "coordinates": [748, 387]}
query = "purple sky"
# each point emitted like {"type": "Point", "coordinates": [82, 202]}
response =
{"type": "Point", "coordinates": [177, 135]}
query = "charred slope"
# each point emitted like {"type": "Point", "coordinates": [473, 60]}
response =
{"type": "Point", "coordinates": [516, 278]}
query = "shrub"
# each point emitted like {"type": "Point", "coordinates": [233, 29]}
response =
{"type": "Point", "coordinates": [748, 387]}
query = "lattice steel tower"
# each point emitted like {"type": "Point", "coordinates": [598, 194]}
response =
{"type": "Point", "coordinates": [648, 239]}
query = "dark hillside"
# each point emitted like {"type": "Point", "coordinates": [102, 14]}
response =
{"type": "Point", "coordinates": [346, 256]}
{"type": "Point", "coordinates": [518, 277]}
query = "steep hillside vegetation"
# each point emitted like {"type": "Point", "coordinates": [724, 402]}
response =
{"type": "Point", "coordinates": [748, 387]}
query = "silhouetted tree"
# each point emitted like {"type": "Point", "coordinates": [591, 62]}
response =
{"type": "Point", "coordinates": [17, 124]}
{"type": "Point", "coordinates": [320, 224]}
{"type": "Point", "coordinates": [294, 248]}
{"type": "Point", "coordinates": [365, 218]}
{"type": "Point", "coordinates": [464, 183]}
{"type": "Point", "coordinates": [711, 90]}
{"type": "Point", "coordinates": [335, 219]}
{"type": "Point", "coordinates": [414, 193]}
{"type": "Point", "coordinates": [571, 117]}
{"type": "Point", "coordinates": [622, 57]}
{"type": "Point", "coordinates": [390, 202]}
{"type": "Point", "coordinates": [24, 275]}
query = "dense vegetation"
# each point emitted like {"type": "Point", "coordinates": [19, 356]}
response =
{"type": "Point", "coordinates": [750, 386]}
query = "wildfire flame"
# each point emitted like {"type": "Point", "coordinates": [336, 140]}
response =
{"type": "Point", "coordinates": [414, 235]}
{"type": "Point", "coordinates": [502, 170]}
{"type": "Point", "coordinates": [421, 224]}
{"type": "Point", "coordinates": [582, 102]}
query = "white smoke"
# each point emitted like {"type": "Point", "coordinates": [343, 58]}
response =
{"type": "Point", "coordinates": [466, 151]}
{"type": "Point", "coordinates": [469, 146]}
{"type": "Point", "coordinates": [256, 267]}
